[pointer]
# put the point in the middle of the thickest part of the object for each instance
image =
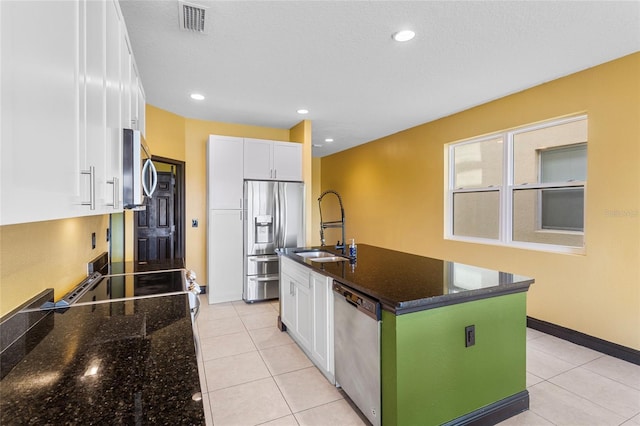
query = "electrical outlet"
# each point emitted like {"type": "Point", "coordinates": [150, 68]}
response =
{"type": "Point", "coordinates": [469, 335]}
{"type": "Point", "coordinates": [194, 223]}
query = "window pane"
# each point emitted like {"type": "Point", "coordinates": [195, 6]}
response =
{"type": "Point", "coordinates": [564, 164]}
{"type": "Point", "coordinates": [528, 145]}
{"type": "Point", "coordinates": [531, 214]}
{"type": "Point", "coordinates": [476, 214]}
{"type": "Point", "coordinates": [562, 209]}
{"type": "Point", "coordinates": [478, 164]}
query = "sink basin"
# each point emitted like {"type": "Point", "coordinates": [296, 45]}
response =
{"type": "Point", "coordinates": [328, 259]}
{"type": "Point", "coordinates": [322, 256]}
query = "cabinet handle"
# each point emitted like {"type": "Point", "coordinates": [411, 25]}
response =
{"type": "Point", "coordinates": [275, 173]}
{"type": "Point", "coordinates": [92, 187]}
{"type": "Point", "coordinates": [116, 193]}
{"type": "Point", "coordinates": [240, 202]}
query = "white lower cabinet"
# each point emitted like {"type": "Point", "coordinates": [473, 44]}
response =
{"type": "Point", "coordinates": [306, 305]}
{"type": "Point", "coordinates": [224, 281]}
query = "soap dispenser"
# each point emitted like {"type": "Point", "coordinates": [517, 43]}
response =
{"type": "Point", "coordinates": [353, 248]}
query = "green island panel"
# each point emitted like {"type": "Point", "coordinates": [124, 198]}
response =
{"type": "Point", "coordinates": [429, 377]}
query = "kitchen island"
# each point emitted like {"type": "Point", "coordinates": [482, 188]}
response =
{"type": "Point", "coordinates": [432, 371]}
{"type": "Point", "coordinates": [118, 362]}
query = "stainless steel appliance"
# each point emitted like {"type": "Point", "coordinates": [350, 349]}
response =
{"type": "Point", "coordinates": [357, 349]}
{"type": "Point", "coordinates": [127, 285]}
{"type": "Point", "coordinates": [273, 219]}
{"type": "Point", "coordinates": [139, 175]}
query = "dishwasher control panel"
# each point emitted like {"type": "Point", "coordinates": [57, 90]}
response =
{"type": "Point", "coordinates": [364, 303]}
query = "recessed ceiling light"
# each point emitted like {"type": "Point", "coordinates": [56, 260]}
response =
{"type": "Point", "coordinates": [303, 111]}
{"type": "Point", "coordinates": [317, 145]}
{"type": "Point", "coordinates": [328, 140]}
{"type": "Point", "coordinates": [197, 96]}
{"type": "Point", "coordinates": [404, 35]}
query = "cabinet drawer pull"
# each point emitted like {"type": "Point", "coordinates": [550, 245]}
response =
{"type": "Point", "coordinates": [116, 192]}
{"type": "Point", "coordinates": [92, 187]}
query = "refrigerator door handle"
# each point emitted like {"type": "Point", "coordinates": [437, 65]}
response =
{"type": "Point", "coordinates": [276, 209]}
{"type": "Point", "coordinates": [283, 201]}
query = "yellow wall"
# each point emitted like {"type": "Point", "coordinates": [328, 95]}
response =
{"type": "Point", "coordinates": [393, 192]}
{"type": "Point", "coordinates": [52, 254]}
{"type": "Point", "coordinates": [301, 133]}
{"type": "Point", "coordinates": [172, 136]}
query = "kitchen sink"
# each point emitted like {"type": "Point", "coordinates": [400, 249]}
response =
{"type": "Point", "coordinates": [322, 256]}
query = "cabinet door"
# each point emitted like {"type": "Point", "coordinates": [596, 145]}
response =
{"type": "Point", "coordinates": [322, 342]}
{"type": "Point", "coordinates": [92, 107]}
{"type": "Point", "coordinates": [39, 111]}
{"type": "Point", "coordinates": [113, 143]}
{"type": "Point", "coordinates": [304, 312]}
{"type": "Point", "coordinates": [288, 302]}
{"type": "Point", "coordinates": [258, 159]}
{"type": "Point", "coordinates": [126, 66]}
{"type": "Point", "coordinates": [224, 264]}
{"type": "Point", "coordinates": [224, 172]}
{"type": "Point", "coordinates": [287, 161]}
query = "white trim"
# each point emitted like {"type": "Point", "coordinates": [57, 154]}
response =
{"type": "Point", "coordinates": [551, 248]}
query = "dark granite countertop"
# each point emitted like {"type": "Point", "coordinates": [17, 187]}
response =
{"type": "Point", "coordinates": [405, 283]}
{"type": "Point", "coordinates": [121, 362]}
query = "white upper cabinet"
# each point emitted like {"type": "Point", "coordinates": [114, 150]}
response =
{"type": "Point", "coordinates": [113, 173]}
{"type": "Point", "coordinates": [287, 161]}
{"type": "Point", "coordinates": [40, 111]}
{"type": "Point", "coordinates": [63, 104]}
{"type": "Point", "coordinates": [272, 160]}
{"type": "Point", "coordinates": [224, 172]}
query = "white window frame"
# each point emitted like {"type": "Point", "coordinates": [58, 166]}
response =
{"type": "Point", "coordinates": [506, 190]}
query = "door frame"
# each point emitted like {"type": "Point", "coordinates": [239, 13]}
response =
{"type": "Point", "coordinates": [179, 213]}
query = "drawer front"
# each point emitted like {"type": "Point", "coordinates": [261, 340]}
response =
{"type": "Point", "coordinates": [263, 265]}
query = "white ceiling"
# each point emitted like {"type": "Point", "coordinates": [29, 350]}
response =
{"type": "Point", "coordinates": [261, 61]}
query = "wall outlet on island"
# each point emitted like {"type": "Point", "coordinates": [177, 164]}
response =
{"type": "Point", "coordinates": [194, 223]}
{"type": "Point", "coordinates": [469, 335]}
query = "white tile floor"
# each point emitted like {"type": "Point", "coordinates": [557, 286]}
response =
{"type": "Point", "coordinates": [252, 374]}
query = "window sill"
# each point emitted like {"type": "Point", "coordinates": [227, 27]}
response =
{"type": "Point", "coordinates": [547, 248]}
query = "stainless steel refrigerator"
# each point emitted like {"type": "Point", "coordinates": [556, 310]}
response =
{"type": "Point", "coordinates": [274, 218]}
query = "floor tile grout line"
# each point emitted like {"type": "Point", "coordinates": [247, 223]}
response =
{"type": "Point", "coordinates": [585, 399]}
{"type": "Point", "coordinates": [593, 402]}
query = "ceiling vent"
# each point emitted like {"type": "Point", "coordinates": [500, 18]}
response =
{"type": "Point", "coordinates": [192, 17]}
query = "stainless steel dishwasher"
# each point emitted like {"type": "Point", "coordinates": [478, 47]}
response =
{"type": "Point", "coordinates": [357, 349]}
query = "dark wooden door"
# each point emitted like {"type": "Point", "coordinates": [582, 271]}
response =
{"type": "Point", "coordinates": [155, 227]}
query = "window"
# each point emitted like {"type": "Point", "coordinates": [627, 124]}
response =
{"type": "Point", "coordinates": [523, 187]}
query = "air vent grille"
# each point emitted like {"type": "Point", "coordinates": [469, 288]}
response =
{"type": "Point", "coordinates": [192, 17]}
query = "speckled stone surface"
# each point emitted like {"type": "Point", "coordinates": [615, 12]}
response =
{"type": "Point", "coordinates": [405, 283]}
{"type": "Point", "coordinates": [124, 362]}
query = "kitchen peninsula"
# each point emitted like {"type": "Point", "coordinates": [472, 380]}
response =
{"type": "Point", "coordinates": [452, 336]}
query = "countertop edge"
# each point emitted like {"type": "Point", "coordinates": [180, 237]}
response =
{"type": "Point", "coordinates": [418, 304]}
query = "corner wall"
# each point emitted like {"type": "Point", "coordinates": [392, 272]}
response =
{"type": "Point", "coordinates": [173, 136]}
{"type": "Point", "coordinates": [394, 190]}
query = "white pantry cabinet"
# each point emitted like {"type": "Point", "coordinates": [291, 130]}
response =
{"type": "Point", "coordinates": [224, 263]}
{"type": "Point", "coordinates": [306, 308]}
{"type": "Point", "coordinates": [272, 160]}
{"type": "Point", "coordinates": [224, 172]}
{"type": "Point", "coordinates": [62, 109]}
